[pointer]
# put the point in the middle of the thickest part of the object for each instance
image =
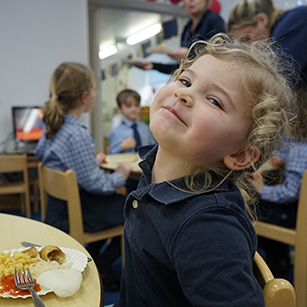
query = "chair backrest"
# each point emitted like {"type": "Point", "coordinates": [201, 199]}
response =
{"type": "Point", "coordinates": [16, 163]}
{"type": "Point", "coordinates": [296, 237]}
{"type": "Point", "coordinates": [64, 186]}
{"type": "Point", "coordinates": [13, 163]}
{"type": "Point", "coordinates": [277, 292]}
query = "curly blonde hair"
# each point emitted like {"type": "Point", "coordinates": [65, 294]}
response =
{"type": "Point", "coordinates": [67, 83]}
{"type": "Point", "coordinates": [272, 103]}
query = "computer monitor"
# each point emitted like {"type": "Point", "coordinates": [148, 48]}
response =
{"type": "Point", "coordinates": [28, 125]}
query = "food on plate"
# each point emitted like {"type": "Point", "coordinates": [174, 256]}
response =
{"type": "Point", "coordinates": [63, 282]}
{"type": "Point", "coordinates": [32, 252]}
{"type": "Point", "coordinates": [7, 285]}
{"type": "Point", "coordinates": [8, 261]}
{"type": "Point", "coordinates": [43, 266]}
{"type": "Point", "coordinates": [52, 253]}
{"type": "Point", "coordinates": [161, 48]}
{"type": "Point", "coordinates": [134, 62]}
{"type": "Point", "coordinates": [71, 262]}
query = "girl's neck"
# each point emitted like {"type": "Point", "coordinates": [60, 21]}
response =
{"type": "Point", "coordinates": [76, 112]}
{"type": "Point", "coordinates": [167, 167]}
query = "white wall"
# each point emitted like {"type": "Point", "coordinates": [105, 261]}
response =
{"type": "Point", "coordinates": [36, 36]}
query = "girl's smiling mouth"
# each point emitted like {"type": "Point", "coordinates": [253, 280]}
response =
{"type": "Point", "coordinates": [171, 110]}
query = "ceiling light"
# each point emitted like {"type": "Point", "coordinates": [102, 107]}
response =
{"type": "Point", "coordinates": [140, 36]}
{"type": "Point", "coordinates": [104, 53]}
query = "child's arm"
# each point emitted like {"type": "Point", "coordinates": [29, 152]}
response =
{"type": "Point", "coordinates": [101, 158]}
{"type": "Point", "coordinates": [82, 159]}
{"type": "Point", "coordinates": [256, 180]}
{"type": "Point", "coordinates": [128, 143]}
{"type": "Point", "coordinates": [288, 191]}
{"type": "Point", "coordinates": [117, 137]}
{"type": "Point", "coordinates": [124, 169]}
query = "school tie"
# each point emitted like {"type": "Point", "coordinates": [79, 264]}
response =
{"type": "Point", "coordinates": [136, 136]}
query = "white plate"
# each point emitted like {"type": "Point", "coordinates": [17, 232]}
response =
{"type": "Point", "coordinates": [134, 62]}
{"type": "Point", "coordinates": [159, 49]}
{"type": "Point", "coordinates": [74, 256]}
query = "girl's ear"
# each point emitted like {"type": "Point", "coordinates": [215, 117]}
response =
{"type": "Point", "coordinates": [84, 96]}
{"type": "Point", "coordinates": [242, 159]}
{"type": "Point", "coordinates": [262, 19]}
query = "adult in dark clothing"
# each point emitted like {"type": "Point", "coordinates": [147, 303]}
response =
{"type": "Point", "coordinates": [203, 25]}
{"type": "Point", "coordinates": [258, 19]}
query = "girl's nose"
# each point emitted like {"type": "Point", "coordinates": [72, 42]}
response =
{"type": "Point", "coordinates": [184, 96]}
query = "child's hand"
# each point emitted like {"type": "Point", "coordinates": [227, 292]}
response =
{"type": "Point", "coordinates": [277, 162]}
{"type": "Point", "coordinates": [178, 54]}
{"type": "Point", "coordinates": [125, 169]}
{"type": "Point", "coordinates": [101, 158]}
{"type": "Point", "coordinates": [146, 65]}
{"type": "Point", "coordinates": [257, 181]}
{"type": "Point", "coordinates": [128, 143]}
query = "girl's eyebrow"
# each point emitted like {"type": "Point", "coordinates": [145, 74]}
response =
{"type": "Point", "coordinates": [215, 87]}
{"type": "Point", "coordinates": [218, 88]}
{"type": "Point", "coordinates": [188, 71]}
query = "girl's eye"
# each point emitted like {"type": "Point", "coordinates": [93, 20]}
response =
{"type": "Point", "coordinates": [185, 82]}
{"type": "Point", "coordinates": [216, 102]}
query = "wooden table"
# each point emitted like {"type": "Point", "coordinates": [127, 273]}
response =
{"type": "Point", "coordinates": [132, 158]}
{"type": "Point", "coordinates": [90, 294]}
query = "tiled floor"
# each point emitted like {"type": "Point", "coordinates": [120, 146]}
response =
{"type": "Point", "coordinates": [109, 297]}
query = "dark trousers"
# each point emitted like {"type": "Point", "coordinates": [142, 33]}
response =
{"type": "Point", "coordinates": [277, 253]}
{"type": "Point", "coordinates": [106, 258]}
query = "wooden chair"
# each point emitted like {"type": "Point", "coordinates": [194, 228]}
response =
{"type": "Point", "coordinates": [64, 186]}
{"type": "Point", "coordinates": [296, 237]}
{"type": "Point", "coordinates": [16, 163]}
{"type": "Point", "coordinates": [277, 292]}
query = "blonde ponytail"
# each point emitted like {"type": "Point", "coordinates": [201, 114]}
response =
{"type": "Point", "coordinates": [67, 84]}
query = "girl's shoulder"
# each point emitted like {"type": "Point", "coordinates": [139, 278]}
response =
{"type": "Point", "coordinates": [75, 131]}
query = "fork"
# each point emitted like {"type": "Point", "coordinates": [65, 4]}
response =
{"type": "Point", "coordinates": [26, 282]}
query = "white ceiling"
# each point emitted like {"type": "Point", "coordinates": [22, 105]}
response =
{"type": "Point", "coordinates": [118, 19]}
{"type": "Point", "coordinates": [127, 23]}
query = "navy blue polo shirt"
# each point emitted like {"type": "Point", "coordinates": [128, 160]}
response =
{"type": "Point", "coordinates": [187, 249]}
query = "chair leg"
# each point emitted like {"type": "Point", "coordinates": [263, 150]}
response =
{"type": "Point", "coordinates": [36, 200]}
{"type": "Point", "coordinates": [22, 203]}
{"type": "Point", "coordinates": [27, 205]}
{"type": "Point", "coordinates": [123, 250]}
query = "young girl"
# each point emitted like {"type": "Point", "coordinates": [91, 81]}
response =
{"type": "Point", "coordinates": [67, 144]}
{"type": "Point", "coordinates": [188, 239]}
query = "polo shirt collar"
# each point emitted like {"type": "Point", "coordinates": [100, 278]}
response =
{"type": "Point", "coordinates": [128, 122]}
{"type": "Point", "coordinates": [72, 120]}
{"type": "Point", "coordinates": [165, 192]}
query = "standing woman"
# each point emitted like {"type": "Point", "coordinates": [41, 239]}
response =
{"type": "Point", "coordinates": [202, 26]}
{"type": "Point", "coordinates": [258, 19]}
